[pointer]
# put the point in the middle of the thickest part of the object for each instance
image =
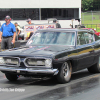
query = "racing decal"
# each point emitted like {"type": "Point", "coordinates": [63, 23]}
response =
{"type": "Point", "coordinates": [50, 26]}
{"type": "Point", "coordinates": [38, 27]}
{"type": "Point", "coordinates": [29, 28]}
{"type": "Point", "coordinates": [33, 28]}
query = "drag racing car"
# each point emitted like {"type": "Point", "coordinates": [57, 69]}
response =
{"type": "Point", "coordinates": [53, 53]}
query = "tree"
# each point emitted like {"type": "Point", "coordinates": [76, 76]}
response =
{"type": "Point", "coordinates": [87, 5]}
{"type": "Point", "coordinates": [96, 4]}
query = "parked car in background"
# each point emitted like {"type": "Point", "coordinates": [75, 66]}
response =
{"type": "Point", "coordinates": [91, 29]}
{"type": "Point", "coordinates": [53, 52]}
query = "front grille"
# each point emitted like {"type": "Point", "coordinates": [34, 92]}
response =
{"type": "Point", "coordinates": [13, 61]}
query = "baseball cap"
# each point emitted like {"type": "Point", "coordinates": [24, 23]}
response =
{"type": "Point", "coordinates": [54, 20]}
{"type": "Point", "coordinates": [16, 23]}
{"type": "Point", "coordinates": [7, 17]}
{"type": "Point", "coordinates": [28, 20]}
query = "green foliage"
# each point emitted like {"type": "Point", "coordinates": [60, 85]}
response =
{"type": "Point", "coordinates": [87, 5]}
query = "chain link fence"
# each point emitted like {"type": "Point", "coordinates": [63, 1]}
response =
{"type": "Point", "coordinates": [91, 19]}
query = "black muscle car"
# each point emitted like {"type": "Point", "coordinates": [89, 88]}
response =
{"type": "Point", "coordinates": [53, 52]}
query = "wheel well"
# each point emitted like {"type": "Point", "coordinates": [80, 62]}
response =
{"type": "Point", "coordinates": [70, 61]}
{"type": "Point", "coordinates": [60, 64]}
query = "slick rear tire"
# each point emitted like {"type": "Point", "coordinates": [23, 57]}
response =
{"type": "Point", "coordinates": [64, 74]}
{"type": "Point", "coordinates": [95, 68]}
{"type": "Point", "coordinates": [11, 77]}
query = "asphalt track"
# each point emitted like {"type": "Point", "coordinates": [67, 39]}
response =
{"type": "Point", "coordinates": [83, 86]}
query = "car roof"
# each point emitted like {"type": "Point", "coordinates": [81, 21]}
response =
{"type": "Point", "coordinates": [63, 29]}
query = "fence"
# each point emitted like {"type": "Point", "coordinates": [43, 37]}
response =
{"type": "Point", "coordinates": [94, 26]}
{"type": "Point", "coordinates": [91, 19]}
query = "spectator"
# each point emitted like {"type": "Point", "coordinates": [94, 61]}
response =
{"type": "Point", "coordinates": [29, 34]}
{"type": "Point", "coordinates": [7, 34]}
{"type": "Point", "coordinates": [29, 21]}
{"type": "Point", "coordinates": [57, 24]}
{"type": "Point", "coordinates": [18, 30]}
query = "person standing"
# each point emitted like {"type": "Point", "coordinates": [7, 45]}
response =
{"type": "Point", "coordinates": [18, 30]}
{"type": "Point", "coordinates": [57, 24]}
{"type": "Point", "coordinates": [7, 34]}
{"type": "Point", "coordinates": [29, 34]}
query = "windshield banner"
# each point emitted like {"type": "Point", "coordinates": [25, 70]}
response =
{"type": "Point", "coordinates": [33, 28]}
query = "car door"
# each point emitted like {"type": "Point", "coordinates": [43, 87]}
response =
{"type": "Point", "coordinates": [85, 49]}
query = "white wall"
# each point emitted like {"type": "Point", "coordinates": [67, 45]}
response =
{"type": "Point", "coordinates": [43, 4]}
{"type": "Point", "coordinates": [40, 3]}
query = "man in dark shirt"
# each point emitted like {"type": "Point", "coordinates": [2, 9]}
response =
{"type": "Point", "coordinates": [7, 34]}
{"type": "Point", "coordinates": [57, 24]}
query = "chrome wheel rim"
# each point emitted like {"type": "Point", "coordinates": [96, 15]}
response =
{"type": "Point", "coordinates": [66, 70]}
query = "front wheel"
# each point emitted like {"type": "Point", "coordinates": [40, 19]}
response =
{"type": "Point", "coordinates": [11, 77]}
{"type": "Point", "coordinates": [95, 68]}
{"type": "Point", "coordinates": [65, 71]}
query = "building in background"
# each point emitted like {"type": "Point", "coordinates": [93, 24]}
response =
{"type": "Point", "coordinates": [40, 10]}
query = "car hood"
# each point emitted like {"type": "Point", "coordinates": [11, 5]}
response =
{"type": "Point", "coordinates": [35, 50]}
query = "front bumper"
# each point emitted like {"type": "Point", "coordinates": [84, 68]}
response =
{"type": "Point", "coordinates": [29, 70]}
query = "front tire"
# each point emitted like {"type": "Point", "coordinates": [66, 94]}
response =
{"type": "Point", "coordinates": [11, 77]}
{"type": "Point", "coordinates": [95, 68]}
{"type": "Point", "coordinates": [64, 74]}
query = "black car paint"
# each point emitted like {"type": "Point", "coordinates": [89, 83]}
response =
{"type": "Point", "coordinates": [81, 57]}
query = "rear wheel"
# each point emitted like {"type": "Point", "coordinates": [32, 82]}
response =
{"type": "Point", "coordinates": [65, 71]}
{"type": "Point", "coordinates": [11, 77]}
{"type": "Point", "coordinates": [95, 68]}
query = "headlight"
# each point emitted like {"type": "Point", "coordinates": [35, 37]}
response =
{"type": "Point", "coordinates": [2, 61]}
{"type": "Point", "coordinates": [38, 62]}
{"type": "Point", "coordinates": [9, 61]}
{"type": "Point", "coordinates": [48, 62]}
{"type": "Point", "coordinates": [33, 62]}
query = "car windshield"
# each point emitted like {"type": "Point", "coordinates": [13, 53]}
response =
{"type": "Point", "coordinates": [55, 38]}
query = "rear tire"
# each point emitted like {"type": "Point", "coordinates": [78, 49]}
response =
{"type": "Point", "coordinates": [95, 68]}
{"type": "Point", "coordinates": [11, 77]}
{"type": "Point", "coordinates": [64, 74]}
